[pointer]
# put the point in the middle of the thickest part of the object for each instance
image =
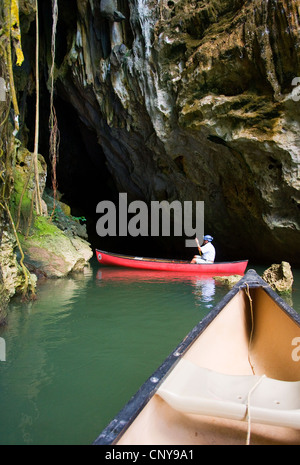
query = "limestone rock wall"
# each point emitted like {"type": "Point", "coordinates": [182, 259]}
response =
{"type": "Point", "coordinates": [194, 100]}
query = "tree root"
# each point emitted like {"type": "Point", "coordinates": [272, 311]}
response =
{"type": "Point", "coordinates": [29, 287]}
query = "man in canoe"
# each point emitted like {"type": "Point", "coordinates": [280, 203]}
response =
{"type": "Point", "coordinates": [207, 251]}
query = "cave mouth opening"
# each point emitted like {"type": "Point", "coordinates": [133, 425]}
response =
{"type": "Point", "coordinates": [84, 180]}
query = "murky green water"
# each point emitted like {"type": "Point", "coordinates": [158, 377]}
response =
{"type": "Point", "coordinates": [76, 355]}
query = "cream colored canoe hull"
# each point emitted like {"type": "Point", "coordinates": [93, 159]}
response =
{"type": "Point", "coordinates": [235, 379]}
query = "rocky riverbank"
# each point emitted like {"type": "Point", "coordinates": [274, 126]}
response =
{"type": "Point", "coordinates": [50, 245]}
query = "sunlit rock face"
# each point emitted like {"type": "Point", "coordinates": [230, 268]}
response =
{"type": "Point", "coordinates": [196, 100]}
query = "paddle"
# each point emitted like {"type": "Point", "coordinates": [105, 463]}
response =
{"type": "Point", "coordinates": [198, 245]}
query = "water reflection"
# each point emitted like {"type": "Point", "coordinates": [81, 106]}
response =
{"type": "Point", "coordinates": [205, 291]}
{"type": "Point", "coordinates": [34, 331]}
{"type": "Point", "coordinates": [130, 275]}
{"type": "Point", "coordinates": [204, 287]}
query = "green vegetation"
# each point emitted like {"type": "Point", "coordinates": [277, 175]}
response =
{"type": "Point", "coordinates": [79, 218]}
{"type": "Point", "coordinates": [20, 184]}
{"type": "Point", "coordinates": [43, 226]}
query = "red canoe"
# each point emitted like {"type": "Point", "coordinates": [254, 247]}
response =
{"type": "Point", "coordinates": [161, 264]}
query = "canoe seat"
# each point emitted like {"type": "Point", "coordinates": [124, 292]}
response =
{"type": "Point", "coordinates": [196, 390]}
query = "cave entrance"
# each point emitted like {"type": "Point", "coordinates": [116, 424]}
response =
{"type": "Point", "coordinates": [82, 175]}
{"type": "Point", "coordinates": [84, 180]}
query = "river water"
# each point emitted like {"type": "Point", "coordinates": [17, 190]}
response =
{"type": "Point", "coordinates": [77, 354]}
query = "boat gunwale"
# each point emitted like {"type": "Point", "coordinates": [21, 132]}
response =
{"type": "Point", "coordinates": [126, 416]}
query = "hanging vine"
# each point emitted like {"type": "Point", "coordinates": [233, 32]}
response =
{"type": "Point", "coordinates": [10, 34]}
{"type": "Point", "coordinates": [37, 116]}
{"type": "Point", "coordinates": [53, 126]}
{"type": "Point", "coordinates": [34, 161]}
